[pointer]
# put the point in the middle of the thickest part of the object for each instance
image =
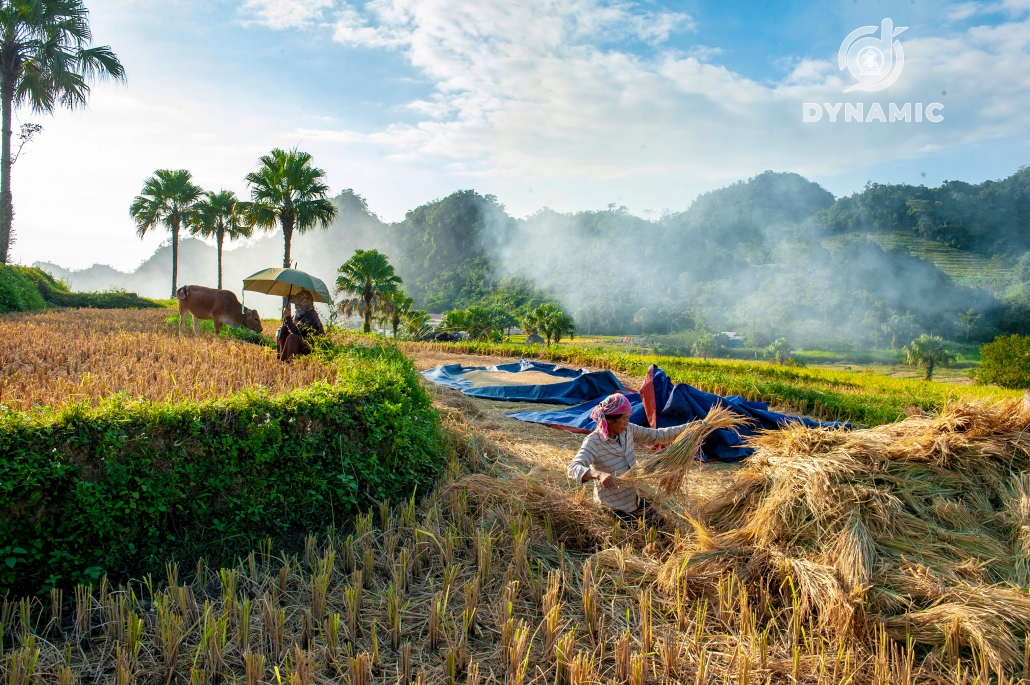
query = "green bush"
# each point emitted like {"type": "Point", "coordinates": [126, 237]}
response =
{"type": "Point", "coordinates": [1005, 362]}
{"type": "Point", "coordinates": [17, 292]}
{"type": "Point", "coordinates": [122, 488]}
{"type": "Point", "coordinates": [58, 294]}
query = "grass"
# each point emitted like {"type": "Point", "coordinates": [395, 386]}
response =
{"type": "Point", "coordinates": [864, 398]}
{"type": "Point", "coordinates": [58, 358]}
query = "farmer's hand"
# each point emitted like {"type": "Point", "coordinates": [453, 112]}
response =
{"type": "Point", "coordinates": [604, 479]}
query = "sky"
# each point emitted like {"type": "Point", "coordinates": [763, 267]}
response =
{"type": "Point", "coordinates": [569, 104]}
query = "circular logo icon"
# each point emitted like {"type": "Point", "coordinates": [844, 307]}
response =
{"type": "Point", "coordinates": [875, 63]}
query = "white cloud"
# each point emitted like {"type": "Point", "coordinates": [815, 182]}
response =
{"type": "Point", "coordinates": [536, 89]}
{"type": "Point", "coordinates": [287, 14]}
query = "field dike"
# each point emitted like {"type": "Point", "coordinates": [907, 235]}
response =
{"type": "Point", "coordinates": [891, 555]}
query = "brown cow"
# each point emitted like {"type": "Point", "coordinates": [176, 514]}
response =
{"type": "Point", "coordinates": [221, 306]}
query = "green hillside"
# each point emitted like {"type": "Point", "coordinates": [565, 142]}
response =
{"type": "Point", "coordinates": [964, 267]}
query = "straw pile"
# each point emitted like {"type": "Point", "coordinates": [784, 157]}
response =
{"type": "Point", "coordinates": [671, 466]}
{"type": "Point", "coordinates": [920, 528]}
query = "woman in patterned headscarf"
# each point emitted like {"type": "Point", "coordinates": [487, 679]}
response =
{"type": "Point", "coordinates": [296, 334]}
{"type": "Point", "coordinates": [608, 452]}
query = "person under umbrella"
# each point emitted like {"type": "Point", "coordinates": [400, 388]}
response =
{"type": "Point", "coordinates": [297, 333]}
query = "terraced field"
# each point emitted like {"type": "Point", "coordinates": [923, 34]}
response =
{"type": "Point", "coordinates": [964, 267]}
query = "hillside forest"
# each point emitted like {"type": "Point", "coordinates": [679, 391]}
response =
{"type": "Point", "coordinates": [774, 256]}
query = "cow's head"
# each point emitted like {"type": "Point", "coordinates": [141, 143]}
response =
{"type": "Point", "coordinates": [251, 319]}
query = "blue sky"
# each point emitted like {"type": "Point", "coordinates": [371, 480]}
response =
{"type": "Point", "coordinates": [573, 104]}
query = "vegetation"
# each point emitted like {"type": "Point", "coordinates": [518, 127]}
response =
{"type": "Point", "coordinates": [368, 281]}
{"type": "Point", "coordinates": [1005, 362]}
{"type": "Point", "coordinates": [221, 215]}
{"type": "Point", "coordinates": [820, 272]}
{"type": "Point", "coordinates": [549, 321]}
{"type": "Point", "coordinates": [287, 192]}
{"type": "Point", "coordinates": [57, 294]}
{"type": "Point", "coordinates": [48, 62]}
{"type": "Point", "coordinates": [124, 486]}
{"type": "Point", "coordinates": [479, 322]}
{"type": "Point", "coordinates": [779, 350]}
{"type": "Point", "coordinates": [24, 289]}
{"type": "Point", "coordinates": [706, 346]}
{"type": "Point", "coordinates": [76, 357]}
{"type": "Point", "coordinates": [17, 291]}
{"type": "Point", "coordinates": [169, 198]}
{"type": "Point", "coordinates": [861, 398]}
{"type": "Point", "coordinates": [929, 352]}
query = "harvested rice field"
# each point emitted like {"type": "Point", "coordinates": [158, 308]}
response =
{"type": "Point", "coordinates": [88, 355]}
{"type": "Point", "coordinates": [897, 554]}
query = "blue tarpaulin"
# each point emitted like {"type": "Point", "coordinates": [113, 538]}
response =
{"type": "Point", "coordinates": [659, 403]}
{"type": "Point", "coordinates": [582, 385]}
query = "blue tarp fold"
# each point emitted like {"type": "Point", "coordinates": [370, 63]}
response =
{"type": "Point", "coordinates": [582, 385]}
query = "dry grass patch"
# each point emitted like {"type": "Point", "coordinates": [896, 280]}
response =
{"type": "Point", "coordinates": [86, 355]}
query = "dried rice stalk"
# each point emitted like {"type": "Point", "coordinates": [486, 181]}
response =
{"type": "Point", "coordinates": [670, 466]}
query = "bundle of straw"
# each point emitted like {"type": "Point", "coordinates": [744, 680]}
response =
{"type": "Point", "coordinates": [671, 464]}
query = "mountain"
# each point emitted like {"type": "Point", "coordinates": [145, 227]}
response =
{"type": "Point", "coordinates": [775, 255]}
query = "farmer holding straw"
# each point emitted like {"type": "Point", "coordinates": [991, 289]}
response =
{"type": "Point", "coordinates": [608, 453]}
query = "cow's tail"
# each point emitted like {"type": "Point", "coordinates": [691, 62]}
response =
{"type": "Point", "coordinates": [182, 292]}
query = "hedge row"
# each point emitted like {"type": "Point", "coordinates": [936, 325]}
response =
{"type": "Point", "coordinates": [17, 292]}
{"type": "Point", "coordinates": [57, 294]}
{"type": "Point", "coordinates": [123, 488]}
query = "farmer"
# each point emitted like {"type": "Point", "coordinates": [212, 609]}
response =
{"type": "Point", "coordinates": [296, 335]}
{"type": "Point", "coordinates": [608, 453]}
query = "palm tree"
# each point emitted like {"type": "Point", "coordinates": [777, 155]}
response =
{"type": "Point", "coordinates": [416, 322]}
{"type": "Point", "coordinates": [45, 62]}
{"type": "Point", "coordinates": [168, 197]}
{"type": "Point", "coordinates": [221, 215]}
{"type": "Point", "coordinates": [369, 281]}
{"type": "Point", "coordinates": [929, 352]}
{"type": "Point", "coordinates": [289, 193]}
{"type": "Point", "coordinates": [400, 305]}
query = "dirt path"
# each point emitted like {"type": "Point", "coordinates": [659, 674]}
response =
{"type": "Point", "coordinates": [528, 446]}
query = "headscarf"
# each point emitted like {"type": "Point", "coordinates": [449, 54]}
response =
{"type": "Point", "coordinates": [613, 405]}
{"type": "Point", "coordinates": [303, 302]}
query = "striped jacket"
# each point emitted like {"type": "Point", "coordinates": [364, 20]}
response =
{"type": "Point", "coordinates": [616, 456]}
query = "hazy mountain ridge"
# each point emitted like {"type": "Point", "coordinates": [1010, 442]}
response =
{"type": "Point", "coordinates": [775, 254]}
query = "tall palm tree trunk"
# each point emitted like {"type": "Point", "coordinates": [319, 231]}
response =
{"type": "Point", "coordinates": [175, 256]}
{"type": "Point", "coordinates": [367, 297]}
{"type": "Point", "coordinates": [6, 204]}
{"type": "Point", "coordinates": [287, 224]}
{"type": "Point", "coordinates": [221, 237]}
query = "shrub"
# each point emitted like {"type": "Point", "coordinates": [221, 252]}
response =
{"type": "Point", "coordinates": [122, 488]}
{"type": "Point", "coordinates": [58, 294]}
{"type": "Point", "coordinates": [1005, 362]}
{"type": "Point", "coordinates": [17, 292]}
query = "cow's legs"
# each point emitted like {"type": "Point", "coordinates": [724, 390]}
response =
{"type": "Point", "coordinates": [196, 326]}
{"type": "Point", "coordinates": [182, 318]}
{"type": "Point", "coordinates": [218, 325]}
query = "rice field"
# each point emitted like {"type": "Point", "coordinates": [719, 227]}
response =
{"type": "Point", "coordinates": [58, 358]}
{"type": "Point", "coordinates": [796, 571]}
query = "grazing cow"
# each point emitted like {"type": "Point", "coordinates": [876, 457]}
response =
{"type": "Point", "coordinates": [221, 306]}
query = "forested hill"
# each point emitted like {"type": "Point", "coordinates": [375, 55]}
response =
{"type": "Point", "coordinates": [772, 256]}
{"type": "Point", "coordinates": [990, 218]}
